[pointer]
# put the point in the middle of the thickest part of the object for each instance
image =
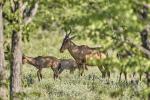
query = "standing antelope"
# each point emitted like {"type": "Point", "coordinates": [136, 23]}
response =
{"type": "Point", "coordinates": [68, 64]}
{"type": "Point", "coordinates": [42, 62]}
{"type": "Point", "coordinates": [83, 54]}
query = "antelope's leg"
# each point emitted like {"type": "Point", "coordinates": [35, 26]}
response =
{"type": "Point", "coordinates": [82, 71]}
{"type": "Point", "coordinates": [108, 74]}
{"type": "Point", "coordinates": [72, 70]}
{"type": "Point", "coordinates": [84, 61]}
{"type": "Point", "coordinates": [55, 67]}
{"type": "Point", "coordinates": [140, 75]}
{"type": "Point", "coordinates": [148, 79]}
{"type": "Point", "coordinates": [40, 71]}
{"type": "Point", "coordinates": [134, 74]}
{"type": "Point", "coordinates": [80, 67]}
{"type": "Point", "coordinates": [120, 76]}
{"type": "Point", "coordinates": [101, 68]}
{"type": "Point", "coordinates": [83, 67]}
{"type": "Point", "coordinates": [107, 71]}
{"type": "Point", "coordinates": [56, 74]}
{"type": "Point", "coordinates": [60, 71]}
{"type": "Point", "coordinates": [38, 75]}
{"type": "Point", "coordinates": [125, 75]}
{"type": "Point", "coordinates": [53, 73]}
{"type": "Point", "coordinates": [86, 67]}
{"type": "Point", "coordinates": [79, 70]}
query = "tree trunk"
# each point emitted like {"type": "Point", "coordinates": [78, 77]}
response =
{"type": "Point", "coordinates": [148, 82]}
{"type": "Point", "coordinates": [3, 88]}
{"type": "Point", "coordinates": [16, 51]}
{"type": "Point", "coordinates": [146, 45]}
{"type": "Point", "coordinates": [16, 63]}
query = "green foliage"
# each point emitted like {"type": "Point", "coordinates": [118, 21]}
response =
{"type": "Point", "coordinates": [98, 18]}
{"type": "Point", "coordinates": [107, 23]}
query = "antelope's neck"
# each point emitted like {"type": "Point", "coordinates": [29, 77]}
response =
{"type": "Point", "coordinates": [73, 49]}
{"type": "Point", "coordinates": [31, 61]}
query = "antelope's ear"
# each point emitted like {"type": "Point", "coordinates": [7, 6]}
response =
{"type": "Point", "coordinates": [72, 37]}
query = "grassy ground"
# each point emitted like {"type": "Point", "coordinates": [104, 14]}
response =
{"type": "Point", "coordinates": [71, 87]}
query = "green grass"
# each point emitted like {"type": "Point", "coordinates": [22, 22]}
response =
{"type": "Point", "coordinates": [71, 87]}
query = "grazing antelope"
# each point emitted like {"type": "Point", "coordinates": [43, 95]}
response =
{"type": "Point", "coordinates": [42, 62]}
{"type": "Point", "coordinates": [83, 54]}
{"type": "Point", "coordinates": [68, 64]}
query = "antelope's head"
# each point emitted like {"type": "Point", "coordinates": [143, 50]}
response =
{"type": "Point", "coordinates": [66, 42]}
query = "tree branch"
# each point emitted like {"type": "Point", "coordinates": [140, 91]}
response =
{"type": "Point", "coordinates": [147, 6]}
{"type": "Point", "coordinates": [7, 18]}
{"type": "Point", "coordinates": [145, 51]}
{"type": "Point", "coordinates": [13, 5]}
{"type": "Point", "coordinates": [33, 11]}
{"type": "Point", "coordinates": [24, 6]}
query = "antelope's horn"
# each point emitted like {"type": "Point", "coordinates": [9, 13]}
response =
{"type": "Point", "coordinates": [65, 31]}
{"type": "Point", "coordinates": [69, 32]}
{"type": "Point", "coordinates": [72, 37]}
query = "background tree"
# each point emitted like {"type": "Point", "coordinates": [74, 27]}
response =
{"type": "Point", "coordinates": [3, 86]}
{"type": "Point", "coordinates": [20, 16]}
{"type": "Point", "coordinates": [114, 25]}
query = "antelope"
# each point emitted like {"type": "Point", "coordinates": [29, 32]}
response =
{"type": "Point", "coordinates": [122, 56]}
{"type": "Point", "coordinates": [83, 53]}
{"type": "Point", "coordinates": [41, 62]}
{"type": "Point", "coordinates": [68, 64]}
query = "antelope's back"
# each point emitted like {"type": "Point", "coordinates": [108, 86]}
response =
{"type": "Point", "coordinates": [47, 61]}
{"type": "Point", "coordinates": [95, 58]}
{"type": "Point", "coordinates": [68, 63]}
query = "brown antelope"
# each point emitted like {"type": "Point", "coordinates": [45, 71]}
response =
{"type": "Point", "coordinates": [68, 64]}
{"type": "Point", "coordinates": [82, 54]}
{"type": "Point", "coordinates": [41, 62]}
